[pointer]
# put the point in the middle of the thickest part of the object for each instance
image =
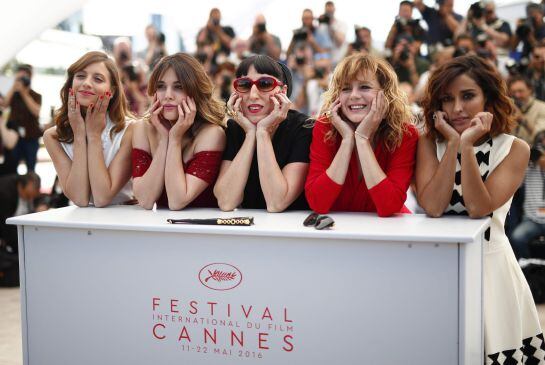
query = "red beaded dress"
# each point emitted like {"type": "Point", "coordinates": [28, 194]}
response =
{"type": "Point", "coordinates": [204, 165]}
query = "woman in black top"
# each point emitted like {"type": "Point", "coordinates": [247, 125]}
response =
{"type": "Point", "coordinates": [266, 159]}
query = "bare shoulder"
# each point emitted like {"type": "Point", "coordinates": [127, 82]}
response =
{"type": "Point", "coordinates": [50, 135]}
{"type": "Point", "coordinates": [211, 137]}
{"type": "Point", "coordinates": [520, 151]}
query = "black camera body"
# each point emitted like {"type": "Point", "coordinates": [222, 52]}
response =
{"type": "Point", "coordinates": [215, 22]}
{"type": "Point", "coordinates": [261, 28]}
{"type": "Point", "coordinates": [25, 80]}
{"type": "Point", "coordinates": [523, 30]}
{"type": "Point", "coordinates": [300, 35]}
{"type": "Point", "coordinates": [324, 19]}
{"type": "Point", "coordinates": [477, 10]}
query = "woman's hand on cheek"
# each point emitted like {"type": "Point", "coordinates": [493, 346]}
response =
{"type": "Point", "coordinates": [234, 111]}
{"type": "Point", "coordinates": [345, 129]}
{"type": "Point", "coordinates": [95, 119]}
{"type": "Point", "coordinates": [155, 114]}
{"type": "Point", "coordinates": [186, 116]}
{"type": "Point", "coordinates": [281, 106]}
{"type": "Point", "coordinates": [479, 126]}
{"type": "Point", "coordinates": [445, 129]}
{"type": "Point", "coordinates": [74, 115]}
{"type": "Point", "coordinates": [374, 117]}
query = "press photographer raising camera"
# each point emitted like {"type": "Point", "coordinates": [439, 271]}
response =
{"type": "Point", "coordinates": [530, 30]}
{"type": "Point", "coordinates": [309, 35]}
{"type": "Point", "coordinates": [263, 42]}
{"type": "Point", "coordinates": [482, 19]}
{"type": "Point", "coordinates": [404, 25]}
{"type": "Point", "coordinates": [24, 104]}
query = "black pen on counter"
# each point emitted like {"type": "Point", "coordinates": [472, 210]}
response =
{"type": "Point", "coordinates": [233, 221]}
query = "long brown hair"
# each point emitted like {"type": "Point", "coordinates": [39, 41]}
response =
{"type": "Point", "coordinates": [196, 84]}
{"type": "Point", "coordinates": [489, 80]}
{"type": "Point", "coordinates": [118, 103]}
{"type": "Point", "coordinates": [398, 115]}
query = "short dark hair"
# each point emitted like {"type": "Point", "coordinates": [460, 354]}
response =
{"type": "Point", "coordinates": [517, 78]}
{"type": "Point", "coordinates": [25, 68]}
{"type": "Point", "coordinates": [266, 65]}
{"type": "Point", "coordinates": [406, 2]}
{"type": "Point", "coordinates": [328, 3]}
{"type": "Point", "coordinates": [29, 177]}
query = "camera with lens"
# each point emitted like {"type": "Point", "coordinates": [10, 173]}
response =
{"type": "Point", "coordinates": [535, 154]}
{"type": "Point", "coordinates": [523, 30]}
{"type": "Point", "coordinates": [476, 10]}
{"type": "Point", "coordinates": [261, 27]}
{"type": "Point", "coordinates": [405, 54]}
{"type": "Point", "coordinates": [517, 68]}
{"type": "Point", "coordinates": [25, 80]}
{"type": "Point", "coordinates": [300, 60]}
{"type": "Point", "coordinates": [300, 35]}
{"type": "Point", "coordinates": [319, 72]}
{"type": "Point", "coordinates": [123, 56]}
{"type": "Point", "coordinates": [130, 71]}
{"type": "Point", "coordinates": [324, 19]}
{"type": "Point", "coordinates": [215, 22]}
{"type": "Point", "coordinates": [202, 57]}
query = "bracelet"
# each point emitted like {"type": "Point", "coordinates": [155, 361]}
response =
{"type": "Point", "coordinates": [358, 134]}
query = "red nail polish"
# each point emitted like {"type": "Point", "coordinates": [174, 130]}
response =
{"type": "Point", "coordinates": [101, 97]}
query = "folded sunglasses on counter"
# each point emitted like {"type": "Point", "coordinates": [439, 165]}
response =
{"type": "Point", "coordinates": [319, 221]}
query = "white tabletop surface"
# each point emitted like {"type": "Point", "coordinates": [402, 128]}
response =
{"type": "Point", "coordinates": [402, 227]}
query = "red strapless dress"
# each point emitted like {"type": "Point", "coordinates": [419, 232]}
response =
{"type": "Point", "coordinates": [204, 165]}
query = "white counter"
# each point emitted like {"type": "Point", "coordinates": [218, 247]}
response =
{"type": "Point", "coordinates": [122, 286]}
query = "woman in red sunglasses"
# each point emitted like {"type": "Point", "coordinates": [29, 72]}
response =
{"type": "Point", "coordinates": [363, 146]}
{"type": "Point", "coordinates": [266, 157]}
{"type": "Point", "coordinates": [177, 147]}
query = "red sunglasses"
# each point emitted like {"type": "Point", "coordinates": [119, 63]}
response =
{"type": "Point", "coordinates": [265, 83]}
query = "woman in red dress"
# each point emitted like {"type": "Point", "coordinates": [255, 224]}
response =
{"type": "Point", "coordinates": [177, 147]}
{"type": "Point", "coordinates": [363, 146]}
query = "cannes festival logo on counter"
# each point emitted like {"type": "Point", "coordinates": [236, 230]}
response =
{"type": "Point", "coordinates": [220, 276]}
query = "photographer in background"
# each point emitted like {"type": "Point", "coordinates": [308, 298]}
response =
{"type": "Point", "coordinates": [223, 80]}
{"type": "Point", "coordinates": [309, 35]}
{"type": "Point", "coordinates": [302, 69]}
{"type": "Point", "coordinates": [530, 112]}
{"type": "Point", "coordinates": [17, 194]}
{"type": "Point", "coordinates": [156, 50]}
{"type": "Point", "coordinates": [482, 20]}
{"type": "Point", "coordinates": [336, 30]}
{"type": "Point", "coordinates": [215, 35]}
{"type": "Point", "coordinates": [263, 42]}
{"type": "Point", "coordinates": [404, 26]}
{"type": "Point", "coordinates": [530, 31]}
{"type": "Point", "coordinates": [535, 71]}
{"type": "Point", "coordinates": [363, 42]}
{"type": "Point", "coordinates": [407, 61]}
{"type": "Point", "coordinates": [135, 91]}
{"type": "Point", "coordinates": [8, 140]}
{"type": "Point", "coordinates": [24, 104]}
{"type": "Point", "coordinates": [533, 217]}
{"type": "Point", "coordinates": [442, 22]}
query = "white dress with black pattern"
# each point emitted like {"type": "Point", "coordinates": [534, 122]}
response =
{"type": "Point", "coordinates": [512, 333]}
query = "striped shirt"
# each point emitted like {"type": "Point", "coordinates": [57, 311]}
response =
{"type": "Point", "coordinates": [534, 193]}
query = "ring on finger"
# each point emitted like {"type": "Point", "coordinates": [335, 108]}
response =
{"type": "Point", "coordinates": [328, 114]}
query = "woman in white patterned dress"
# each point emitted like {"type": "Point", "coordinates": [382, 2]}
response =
{"type": "Point", "coordinates": [468, 165]}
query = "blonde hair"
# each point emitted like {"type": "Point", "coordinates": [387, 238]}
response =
{"type": "Point", "coordinates": [196, 83]}
{"type": "Point", "coordinates": [398, 114]}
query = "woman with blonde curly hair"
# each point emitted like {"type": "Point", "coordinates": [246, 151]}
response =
{"type": "Point", "coordinates": [364, 144]}
{"type": "Point", "coordinates": [90, 144]}
{"type": "Point", "coordinates": [468, 164]}
{"type": "Point", "coordinates": [177, 147]}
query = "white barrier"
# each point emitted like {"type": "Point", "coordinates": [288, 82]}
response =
{"type": "Point", "coordinates": [120, 285]}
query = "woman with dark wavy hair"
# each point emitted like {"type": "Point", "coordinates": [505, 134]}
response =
{"type": "Point", "coordinates": [90, 144]}
{"type": "Point", "coordinates": [177, 146]}
{"type": "Point", "coordinates": [467, 164]}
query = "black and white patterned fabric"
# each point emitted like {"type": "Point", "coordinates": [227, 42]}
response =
{"type": "Point", "coordinates": [512, 333]}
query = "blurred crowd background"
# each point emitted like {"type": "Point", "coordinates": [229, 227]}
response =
{"type": "Point", "coordinates": [310, 37]}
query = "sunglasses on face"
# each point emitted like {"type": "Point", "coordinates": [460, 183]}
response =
{"type": "Point", "coordinates": [319, 221]}
{"type": "Point", "coordinates": [266, 83]}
